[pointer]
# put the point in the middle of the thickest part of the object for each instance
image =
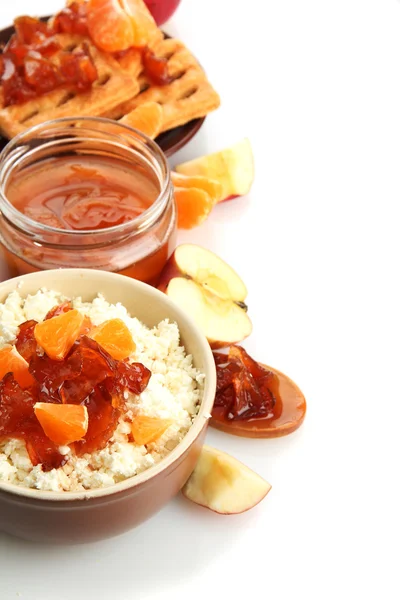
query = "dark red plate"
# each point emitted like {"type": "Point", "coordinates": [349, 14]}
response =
{"type": "Point", "coordinates": [170, 141]}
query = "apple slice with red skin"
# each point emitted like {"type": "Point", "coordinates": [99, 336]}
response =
{"type": "Point", "coordinates": [162, 10]}
{"type": "Point", "coordinates": [232, 167]}
{"type": "Point", "coordinates": [288, 414]}
{"type": "Point", "coordinates": [210, 291]}
{"type": "Point", "coordinates": [223, 484]}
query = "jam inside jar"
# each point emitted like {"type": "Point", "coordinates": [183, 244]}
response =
{"type": "Point", "coordinates": [85, 192]}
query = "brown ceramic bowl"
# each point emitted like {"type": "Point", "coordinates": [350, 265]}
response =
{"type": "Point", "coordinates": [79, 517]}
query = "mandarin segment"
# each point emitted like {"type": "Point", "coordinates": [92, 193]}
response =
{"type": "Point", "coordinates": [116, 25]}
{"type": "Point", "coordinates": [62, 423]}
{"type": "Point", "coordinates": [12, 362]}
{"type": "Point", "coordinates": [109, 25]}
{"type": "Point", "coordinates": [211, 186]}
{"type": "Point", "coordinates": [57, 335]}
{"type": "Point", "coordinates": [115, 337]}
{"type": "Point", "coordinates": [146, 30]}
{"type": "Point", "coordinates": [193, 205]}
{"type": "Point", "coordinates": [147, 118]}
{"type": "Point", "coordinates": [148, 429]}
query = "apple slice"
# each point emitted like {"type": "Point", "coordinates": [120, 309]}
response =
{"type": "Point", "coordinates": [209, 290]}
{"type": "Point", "coordinates": [233, 167]}
{"type": "Point", "coordinates": [223, 484]}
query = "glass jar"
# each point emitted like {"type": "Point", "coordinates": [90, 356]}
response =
{"type": "Point", "coordinates": [138, 248]}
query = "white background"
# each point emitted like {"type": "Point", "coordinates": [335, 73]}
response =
{"type": "Point", "coordinates": [315, 85]}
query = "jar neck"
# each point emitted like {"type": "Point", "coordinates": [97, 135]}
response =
{"type": "Point", "coordinates": [86, 137]}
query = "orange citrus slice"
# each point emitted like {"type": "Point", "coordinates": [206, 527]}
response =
{"type": "Point", "coordinates": [147, 118]}
{"type": "Point", "coordinates": [12, 362]}
{"type": "Point", "coordinates": [211, 186]}
{"type": "Point", "coordinates": [62, 423]}
{"type": "Point", "coordinates": [148, 429]}
{"type": "Point", "coordinates": [57, 335]}
{"type": "Point", "coordinates": [146, 30]}
{"type": "Point", "coordinates": [193, 205]}
{"type": "Point", "coordinates": [115, 337]}
{"type": "Point", "coordinates": [110, 27]}
{"type": "Point", "coordinates": [116, 25]}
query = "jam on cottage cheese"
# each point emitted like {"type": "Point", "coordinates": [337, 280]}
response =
{"type": "Point", "coordinates": [88, 395]}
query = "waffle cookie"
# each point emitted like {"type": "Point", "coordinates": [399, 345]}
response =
{"type": "Point", "coordinates": [189, 96]}
{"type": "Point", "coordinates": [113, 87]}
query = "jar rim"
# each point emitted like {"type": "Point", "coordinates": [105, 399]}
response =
{"type": "Point", "coordinates": [137, 224]}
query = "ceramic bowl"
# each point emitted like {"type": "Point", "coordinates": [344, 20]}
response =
{"type": "Point", "coordinates": [79, 517]}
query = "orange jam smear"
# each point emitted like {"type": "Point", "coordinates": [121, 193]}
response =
{"type": "Point", "coordinates": [85, 193]}
{"type": "Point", "coordinates": [85, 374]}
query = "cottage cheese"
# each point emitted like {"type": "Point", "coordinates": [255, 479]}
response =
{"type": "Point", "coordinates": [174, 392]}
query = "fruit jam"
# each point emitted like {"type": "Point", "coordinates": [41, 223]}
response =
{"type": "Point", "coordinates": [87, 193]}
{"type": "Point", "coordinates": [33, 63]}
{"type": "Point", "coordinates": [253, 400]}
{"type": "Point", "coordinates": [56, 362]}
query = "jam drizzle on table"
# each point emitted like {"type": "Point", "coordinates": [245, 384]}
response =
{"type": "Point", "coordinates": [88, 375]}
{"type": "Point", "coordinates": [28, 68]}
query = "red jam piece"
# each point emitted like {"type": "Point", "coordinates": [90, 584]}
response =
{"type": "Point", "coordinates": [26, 68]}
{"type": "Point", "coordinates": [30, 31]}
{"type": "Point", "coordinates": [103, 419]}
{"type": "Point", "coordinates": [59, 309]}
{"type": "Point", "coordinates": [41, 74]}
{"type": "Point", "coordinates": [52, 374]}
{"type": "Point", "coordinates": [95, 369]}
{"type": "Point", "coordinates": [72, 19]}
{"type": "Point", "coordinates": [156, 68]}
{"type": "Point", "coordinates": [135, 377]}
{"type": "Point", "coordinates": [243, 386]}
{"type": "Point", "coordinates": [41, 450]}
{"type": "Point", "coordinates": [26, 343]}
{"type": "Point", "coordinates": [78, 69]}
{"type": "Point", "coordinates": [16, 406]}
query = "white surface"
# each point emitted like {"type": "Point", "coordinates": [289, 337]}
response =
{"type": "Point", "coordinates": [315, 85]}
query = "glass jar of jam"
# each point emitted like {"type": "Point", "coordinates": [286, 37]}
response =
{"type": "Point", "coordinates": [85, 192]}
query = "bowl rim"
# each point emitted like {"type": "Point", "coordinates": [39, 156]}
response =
{"type": "Point", "coordinates": [201, 420]}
